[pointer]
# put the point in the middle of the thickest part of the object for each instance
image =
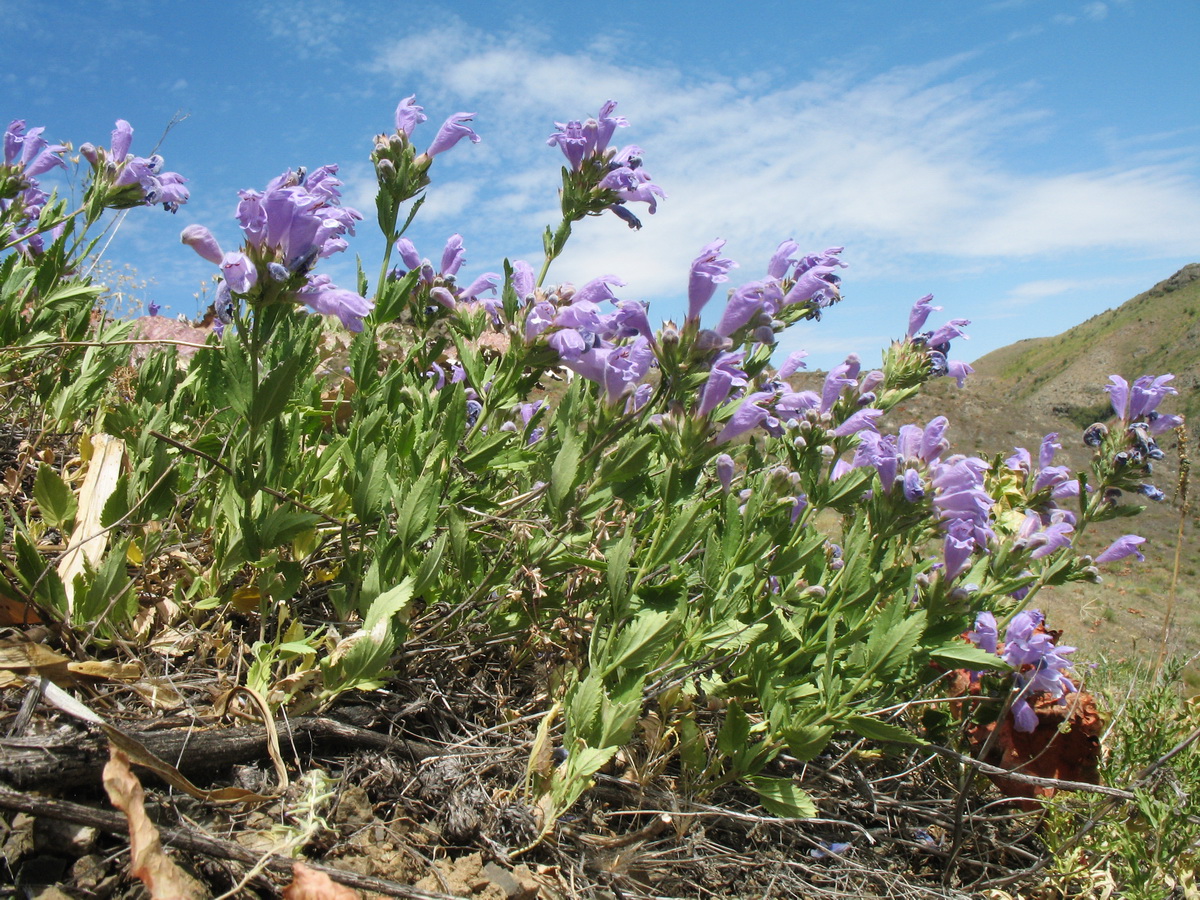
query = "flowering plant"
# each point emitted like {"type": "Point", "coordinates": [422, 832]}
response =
{"type": "Point", "coordinates": [684, 525]}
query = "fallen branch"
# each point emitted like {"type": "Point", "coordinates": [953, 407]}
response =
{"type": "Point", "coordinates": [50, 761]}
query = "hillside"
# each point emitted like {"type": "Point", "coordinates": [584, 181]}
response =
{"type": "Point", "coordinates": [1056, 384]}
{"type": "Point", "coordinates": [1157, 331]}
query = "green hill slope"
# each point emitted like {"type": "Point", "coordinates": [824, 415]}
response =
{"type": "Point", "coordinates": [1157, 331]}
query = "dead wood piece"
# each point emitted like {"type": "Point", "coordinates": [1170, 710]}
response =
{"type": "Point", "coordinates": [51, 762]}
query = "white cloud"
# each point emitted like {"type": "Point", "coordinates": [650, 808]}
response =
{"type": "Point", "coordinates": [895, 164]}
{"type": "Point", "coordinates": [1032, 291]}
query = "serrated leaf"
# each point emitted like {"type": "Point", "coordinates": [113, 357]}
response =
{"type": "Point", "coordinates": [782, 797]}
{"type": "Point", "coordinates": [116, 507]}
{"type": "Point", "coordinates": [891, 645]}
{"type": "Point", "coordinates": [55, 499]}
{"type": "Point", "coordinates": [735, 731]}
{"type": "Point", "coordinates": [565, 469]}
{"type": "Point", "coordinates": [431, 565]}
{"type": "Point", "coordinates": [275, 390]}
{"type": "Point", "coordinates": [881, 731]}
{"type": "Point", "coordinates": [387, 605]}
{"type": "Point", "coordinates": [617, 575]}
{"type": "Point", "coordinates": [806, 741]}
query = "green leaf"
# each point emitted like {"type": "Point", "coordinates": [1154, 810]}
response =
{"type": "Point", "coordinates": [431, 565]}
{"type": "Point", "coordinates": [282, 524]}
{"type": "Point", "coordinates": [107, 599]}
{"type": "Point", "coordinates": [372, 486]}
{"type": "Point", "coordinates": [116, 507]}
{"type": "Point", "coordinates": [275, 390]}
{"type": "Point", "coordinates": [735, 732]}
{"type": "Point", "coordinates": [891, 644]}
{"type": "Point", "coordinates": [618, 571]}
{"type": "Point", "coordinates": [682, 533]}
{"type": "Point", "coordinates": [806, 741]}
{"type": "Point", "coordinates": [782, 797]}
{"type": "Point", "coordinates": [54, 498]}
{"type": "Point", "coordinates": [639, 642]}
{"type": "Point", "coordinates": [565, 471]}
{"type": "Point", "coordinates": [882, 731]}
{"type": "Point", "coordinates": [582, 706]}
{"type": "Point", "coordinates": [389, 604]}
{"type": "Point", "coordinates": [961, 655]}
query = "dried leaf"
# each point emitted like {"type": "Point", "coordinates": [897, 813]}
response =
{"type": "Point", "coordinates": [147, 861]}
{"type": "Point", "coordinates": [28, 655]}
{"type": "Point", "coordinates": [108, 669]}
{"type": "Point", "coordinates": [89, 539]}
{"type": "Point", "coordinates": [310, 885]}
{"type": "Point", "coordinates": [159, 693]}
{"type": "Point", "coordinates": [17, 612]}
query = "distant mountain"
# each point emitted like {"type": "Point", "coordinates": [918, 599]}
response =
{"type": "Point", "coordinates": [1157, 331]}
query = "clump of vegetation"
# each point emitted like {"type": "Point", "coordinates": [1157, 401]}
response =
{"type": "Point", "coordinates": [676, 574]}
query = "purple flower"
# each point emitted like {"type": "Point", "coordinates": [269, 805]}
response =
{"type": "Point", "coordinates": [958, 546]}
{"type": "Point", "coordinates": [598, 132]}
{"type": "Point", "coordinates": [819, 284]}
{"type": "Point", "coordinates": [597, 290]}
{"type": "Point", "coordinates": [794, 362]}
{"type": "Point", "coordinates": [985, 635]}
{"type": "Point", "coordinates": [750, 414]}
{"type": "Point", "coordinates": [958, 371]}
{"type": "Point", "coordinates": [725, 471]}
{"type": "Point", "coordinates": [880, 453]}
{"type": "Point", "coordinates": [948, 332]}
{"type": "Point", "coordinates": [30, 151]}
{"type": "Point", "coordinates": [572, 141]}
{"type": "Point", "coordinates": [1147, 393]}
{"type": "Point", "coordinates": [708, 270]}
{"type": "Point", "coordinates": [1163, 423]}
{"type": "Point", "coordinates": [920, 312]}
{"type": "Point", "coordinates": [1126, 545]}
{"type": "Point", "coordinates": [330, 300]}
{"type": "Point", "coordinates": [914, 487]}
{"type": "Point", "coordinates": [722, 379]}
{"type": "Point", "coordinates": [239, 272]}
{"type": "Point", "coordinates": [134, 181]}
{"type": "Point", "coordinates": [523, 279]}
{"type": "Point", "coordinates": [858, 421]}
{"type": "Point", "coordinates": [409, 116]}
{"type": "Point", "coordinates": [632, 184]}
{"type": "Point", "coordinates": [453, 256]}
{"type": "Point", "coordinates": [1118, 394]}
{"type": "Point", "coordinates": [408, 253]}
{"type": "Point", "coordinates": [1054, 536]}
{"type": "Point", "coordinates": [202, 241]}
{"type": "Point", "coordinates": [538, 319]}
{"type": "Point", "coordinates": [838, 379]}
{"type": "Point", "coordinates": [747, 303]}
{"type": "Point", "coordinates": [781, 260]}
{"type": "Point", "coordinates": [452, 131]}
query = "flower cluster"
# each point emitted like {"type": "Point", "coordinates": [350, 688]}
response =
{"type": "Point", "coordinates": [803, 286]}
{"type": "Point", "coordinates": [599, 177]}
{"type": "Point", "coordinates": [26, 156]}
{"type": "Point", "coordinates": [295, 221]}
{"type": "Point", "coordinates": [1038, 662]}
{"type": "Point", "coordinates": [440, 286]}
{"type": "Point", "coordinates": [121, 180]}
{"type": "Point", "coordinates": [584, 337]}
{"type": "Point", "coordinates": [400, 171]}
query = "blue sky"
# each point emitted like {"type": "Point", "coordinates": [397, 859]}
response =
{"type": "Point", "coordinates": [1030, 163]}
